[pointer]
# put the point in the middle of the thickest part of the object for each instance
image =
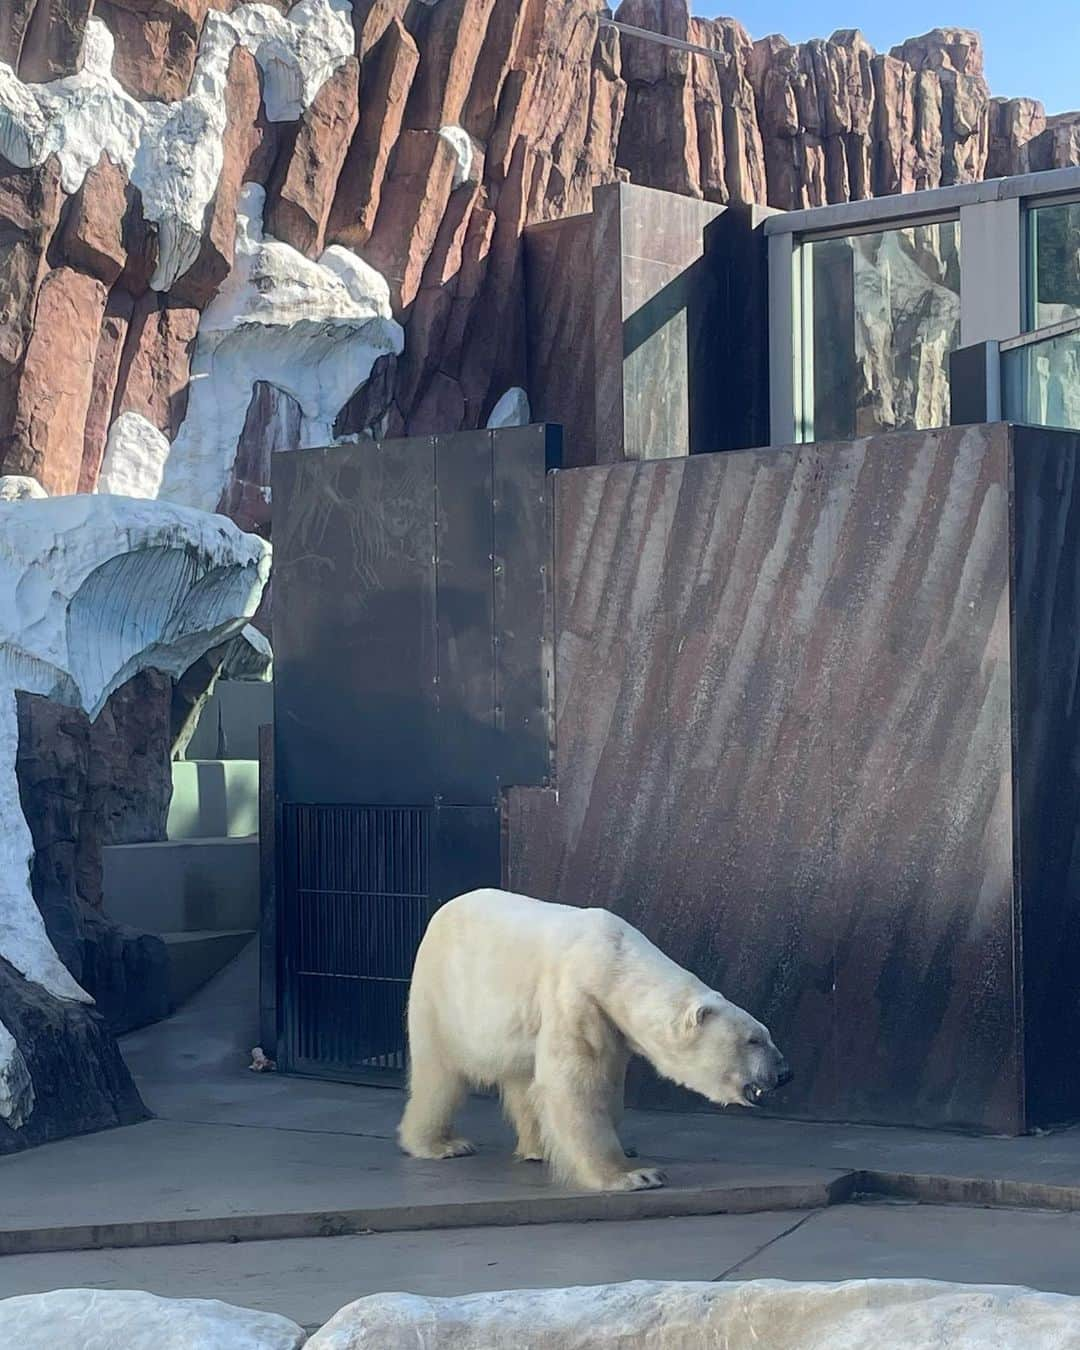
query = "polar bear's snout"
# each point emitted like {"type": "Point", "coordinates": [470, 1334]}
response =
{"type": "Point", "coordinates": [755, 1092]}
{"type": "Point", "coordinates": [725, 1054]}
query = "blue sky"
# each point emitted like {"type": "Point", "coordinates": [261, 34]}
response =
{"type": "Point", "coordinates": [1032, 46]}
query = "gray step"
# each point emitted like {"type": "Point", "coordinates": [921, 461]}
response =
{"type": "Point", "coordinates": [229, 722]}
{"type": "Point", "coordinates": [195, 958]}
{"type": "Point", "coordinates": [183, 885]}
{"type": "Point", "coordinates": [214, 797]}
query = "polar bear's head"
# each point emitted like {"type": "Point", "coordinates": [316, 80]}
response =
{"type": "Point", "coordinates": [726, 1055]}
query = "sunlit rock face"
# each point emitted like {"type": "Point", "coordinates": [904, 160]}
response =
{"type": "Point", "coordinates": [165, 169]}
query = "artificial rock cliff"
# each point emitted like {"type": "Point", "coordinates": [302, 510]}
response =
{"type": "Point", "coordinates": [400, 147]}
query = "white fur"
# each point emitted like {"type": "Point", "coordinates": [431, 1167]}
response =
{"type": "Point", "coordinates": [547, 1003]}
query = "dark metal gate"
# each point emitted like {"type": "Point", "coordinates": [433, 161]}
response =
{"type": "Point", "coordinates": [355, 900]}
{"type": "Point", "coordinates": [411, 641]}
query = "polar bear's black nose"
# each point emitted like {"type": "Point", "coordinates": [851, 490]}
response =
{"type": "Point", "coordinates": [784, 1077]}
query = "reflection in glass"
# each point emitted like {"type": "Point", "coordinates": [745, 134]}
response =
{"type": "Point", "coordinates": [880, 315]}
{"type": "Point", "coordinates": [1040, 382]}
{"type": "Point", "coordinates": [1054, 281]}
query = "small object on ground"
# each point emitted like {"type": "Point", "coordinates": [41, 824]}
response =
{"type": "Point", "coordinates": [260, 1062]}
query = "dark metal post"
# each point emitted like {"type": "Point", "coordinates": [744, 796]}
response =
{"type": "Point", "coordinates": [975, 384]}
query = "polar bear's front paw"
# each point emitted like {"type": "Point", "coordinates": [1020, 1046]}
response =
{"type": "Point", "coordinates": [641, 1179]}
{"type": "Point", "coordinates": [454, 1148]}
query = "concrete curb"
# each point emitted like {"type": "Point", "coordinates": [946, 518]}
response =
{"type": "Point", "coordinates": [667, 1203]}
{"type": "Point", "coordinates": [834, 1188]}
{"type": "Point", "coordinates": [977, 1192]}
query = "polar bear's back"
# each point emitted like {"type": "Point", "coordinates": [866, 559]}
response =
{"type": "Point", "coordinates": [488, 962]}
{"type": "Point", "coordinates": [491, 931]}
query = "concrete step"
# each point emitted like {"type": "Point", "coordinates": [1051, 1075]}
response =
{"type": "Point", "coordinates": [214, 797]}
{"type": "Point", "coordinates": [183, 885]}
{"type": "Point", "coordinates": [196, 957]}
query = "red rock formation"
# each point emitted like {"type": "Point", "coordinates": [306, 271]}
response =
{"type": "Point", "coordinates": [156, 43]}
{"type": "Point", "coordinates": [245, 135]}
{"type": "Point", "coordinates": [42, 39]}
{"type": "Point", "coordinates": [110, 350]}
{"type": "Point", "coordinates": [658, 142]}
{"type": "Point", "coordinates": [300, 197]}
{"type": "Point", "coordinates": [154, 367]}
{"type": "Point", "coordinates": [30, 202]}
{"type": "Point", "coordinates": [272, 423]}
{"type": "Point", "coordinates": [93, 234]}
{"type": "Point", "coordinates": [553, 101]}
{"type": "Point", "coordinates": [56, 381]}
{"type": "Point", "coordinates": [387, 76]}
{"type": "Point", "coordinates": [414, 197]}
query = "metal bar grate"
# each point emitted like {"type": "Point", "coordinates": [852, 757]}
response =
{"type": "Point", "coordinates": [355, 901]}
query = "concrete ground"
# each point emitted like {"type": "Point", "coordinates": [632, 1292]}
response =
{"type": "Point", "coordinates": [308, 1166]}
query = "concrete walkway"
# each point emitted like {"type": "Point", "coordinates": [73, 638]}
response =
{"type": "Point", "coordinates": [309, 1279]}
{"type": "Point", "coordinates": [309, 1167]}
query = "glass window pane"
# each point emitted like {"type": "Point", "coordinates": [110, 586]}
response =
{"type": "Point", "coordinates": [1041, 382]}
{"type": "Point", "coordinates": [1055, 254]}
{"type": "Point", "coordinates": [881, 313]}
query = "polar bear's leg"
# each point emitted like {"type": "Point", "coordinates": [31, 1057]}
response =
{"type": "Point", "coordinates": [437, 1088]}
{"type": "Point", "coordinates": [517, 1097]}
{"type": "Point", "coordinates": [618, 1102]}
{"type": "Point", "coordinates": [574, 1096]}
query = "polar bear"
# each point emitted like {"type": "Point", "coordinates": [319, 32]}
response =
{"type": "Point", "coordinates": [547, 1003]}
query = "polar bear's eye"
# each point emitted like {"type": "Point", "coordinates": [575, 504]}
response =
{"type": "Point", "coordinates": [755, 1041]}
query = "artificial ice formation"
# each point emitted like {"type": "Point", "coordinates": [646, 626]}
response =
{"type": "Point", "coordinates": [17, 487]}
{"type": "Point", "coordinates": [312, 329]}
{"type": "Point", "coordinates": [94, 589]}
{"type": "Point", "coordinates": [140, 1321]}
{"type": "Point", "coordinates": [512, 410]}
{"type": "Point", "coordinates": [135, 456]}
{"type": "Point", "coordinates": [901, 1314]}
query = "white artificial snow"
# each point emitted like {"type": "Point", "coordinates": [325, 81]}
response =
{"type": "Point", "coordinates": [313, 329]}
{"type": "Point", "coordinates": [17, 487]}
{"type": "Point", "coordinates": [94, 589]}
{"type": "Point", "coordinates": [16, 1089]}
{"type": "Point", "coordinates": [459, 140]}
{"type": "Point", "coordinates": [512, 410]}
{"type": "Point", "coordinates": [750, 1315]}
{"type": "Point", "coordinates": [78, 1319]}
{"type": "Point", "coordinates": [135, 456]}
{"type": "Point", "coordinates": [172, 152]}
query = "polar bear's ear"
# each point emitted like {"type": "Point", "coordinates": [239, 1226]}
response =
{"type": "Point", "coordinates": [699, 1012]}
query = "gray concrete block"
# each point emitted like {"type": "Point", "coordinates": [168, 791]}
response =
{"type": "Point", "coordinates": [183, 885]}
{"type": "Point", "coordinates": [213, 798]}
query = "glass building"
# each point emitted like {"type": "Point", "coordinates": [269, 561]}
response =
{"type": "Point", "coordinates": [869, 301]}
